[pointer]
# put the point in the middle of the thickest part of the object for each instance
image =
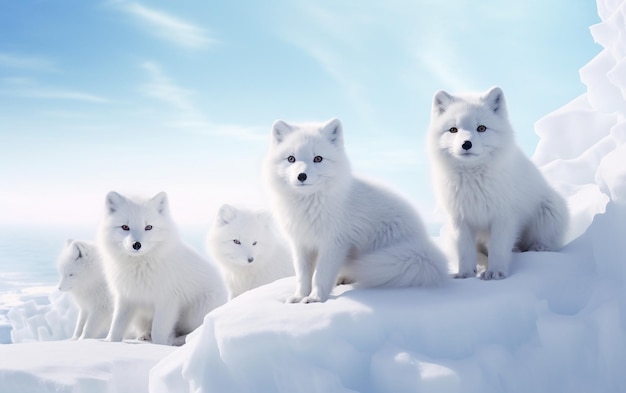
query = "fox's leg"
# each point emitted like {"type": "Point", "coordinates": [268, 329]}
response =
{"type": "Point", "coordinates": [122, 315]}
{"type": "Point", "coordinates": [329, 263]}
{"type": "Point", "coordinates": [80, 324]}
{"type": "Point", "coordinates": [165, 317]}
{"type": "Point", "coordinates": [503, 234]}
{"type": "Point", "coordinates": [303, 265]}
{"type": "Point", "coordinates": [465, 244]}
{"type": "Point", "coordinates": [91, 326]}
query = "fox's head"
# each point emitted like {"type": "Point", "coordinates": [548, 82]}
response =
{"type": "Point", "coordinates": [137, 226]}
{"type": "Point", "coordinates": [470, 129]}
{"type": "Point", "coordinates": [306, 158]}
{"type": "Point", "coordinates": [240, 236]}
{"type": "Point", "coordinates": [75, 265]}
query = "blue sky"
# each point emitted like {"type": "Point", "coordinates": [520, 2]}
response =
{"type": "Point", "coordinates": [142, 97]}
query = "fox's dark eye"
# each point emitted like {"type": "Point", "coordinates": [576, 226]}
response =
{"type": "Point", "coordinates": [148, 227]}
{"type": "Point", "coordinates": [291, 159]}
{"type": "Point", "coordinates": [71, 275]}
{"type": "Point", "coordinates": [236, 241]}
{"type": "Point", "coordinates": [481, 128]}
{"type": "Point", "coordinates": [317, 159]}
{"type": "Point", "coordinates": [125, 227]}
{"type": "Point", "coordinates": [254, 243]}
{"type": "Point", "coordinates": [453, 130]}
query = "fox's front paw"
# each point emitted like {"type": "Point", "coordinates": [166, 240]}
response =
{"type": "Point", "coordinates": [311, 299]}
{"type": "Point", "coordinates": [294, 299]}
{"type": "Point", "coordinates": [145, 337]}
{"type": "Point", "coordinates": [316, 296]}
{"type": "Point", "coordinates": [465, 274]}
{"type": "Point", "coordinates": [492, 275]}
{"type": "Point", "coordinates": [113, 339]}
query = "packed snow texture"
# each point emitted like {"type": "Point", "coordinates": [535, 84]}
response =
{"type": "Point", "coordinates": [56, 320]}
{"type": "Point", "coordinates": [89, 366]}
{"type": "Point", "coordinates": [558, 323]}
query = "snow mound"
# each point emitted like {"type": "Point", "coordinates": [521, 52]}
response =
{"type": "Point", "coordinates": [557, 324]}
{"type": "Point", "coordinates": [581, 143]}
{"type": "Point", "coordinates": [555, 319]}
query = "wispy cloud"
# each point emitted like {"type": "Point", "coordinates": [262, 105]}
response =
{"type": "Point", "coordinates": [441, 61]}
{"type": "Point", "coordinates": [167, 27]}
{"type": "Point", "coordinates": [349, 42]}
{"type": "Point", "coordinates": [234, 131]}
{"type": "Point", "coordinates": [24, 62]}
{"type": "Point", "coordinates": [29, 88]}
{"type": "Point", "coordinates": [64, 95]}
{"type": "Point", "coordinates": [188, 117]}
{"type": "Point", "coordinates": [163, 88]}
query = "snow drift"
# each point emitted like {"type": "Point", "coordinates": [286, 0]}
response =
{"type": "Point", "coordinates": [557, 324]}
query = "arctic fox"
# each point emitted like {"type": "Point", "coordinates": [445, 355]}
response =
{"type": "Point", "coordinates": [249, 250]}
{"type": "Point", "coordinates": [339, 225]}
{"type": "Point", "coordinates": [153, 275]}
{"type": "Point", "coordinates": [496, 199]}
{"type": "Point", "coordinates": [80, 268]}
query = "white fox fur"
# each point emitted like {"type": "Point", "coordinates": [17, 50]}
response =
{"type": "Point", "coordinates": [248, 249]}
{"type": "Point", "coordinates": [495, 197]}
{"type": "Point", "coordinates": [340, 225]}
{"type": "Point", "coordinates": [81, 271]}
{"type": "Point", "coordinates": [153, 275]}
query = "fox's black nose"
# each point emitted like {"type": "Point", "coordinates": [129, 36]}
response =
{"type": "Point", "coordinates": [250, 260]}
{"type": "Point", "coordinates": [302, 177]}
{"type": "Point", "coordinates": [136, 246]}
{"type": "Point", "coordinates": [467, 145]}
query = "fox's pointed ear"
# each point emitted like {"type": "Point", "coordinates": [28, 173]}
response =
{"type": "Point", "coordinates": [113, 202]}
{"type": "Point", "coordinates": [333, 130]}
{"type": "Point", "coordinates": [280, 130]}
{"type": "Point", "coordinates": [160, 202]}
{"type": "Point", "coordinates": [70, 244]}
{"type": "Point", "coordinates": [494, 98]}
{"type": "Point", "coordinates": [82, 249]}
{"type": "Point", "coordinates": [226, 215]}
{"type": "Point", "coordinates": [441, 102]}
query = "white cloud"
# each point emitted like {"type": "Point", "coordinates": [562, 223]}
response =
{"type": "Point", "coordinates": [234, 131]}
{"type": "Point", "coordinates": [441, 62]}
{"type": "Point", "coordinates": [187, 116]}
{"type": "Point", "coordinates": [35, 63]}
{"type": "Point", "coordinates": [63, 95]}
{"type": "Point", "coordinates": [168, 27]}
{"type": "Point", "coordinates": [29, 88]}
{"type": "Point", "coordinates": [165, 89]}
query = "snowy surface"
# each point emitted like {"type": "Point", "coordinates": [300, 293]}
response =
{"type": "Point", "coordinates": [78, 366]}
{"type": "Point", "coordinates": [557, 324]}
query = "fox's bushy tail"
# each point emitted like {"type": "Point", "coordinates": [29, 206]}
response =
{"type": "Point", "coordinates": [400, 265]}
